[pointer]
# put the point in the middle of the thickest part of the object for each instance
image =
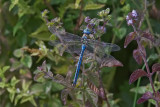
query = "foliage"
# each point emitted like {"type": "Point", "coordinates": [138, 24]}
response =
{"type": "Point", "coordinates": [24, 38]}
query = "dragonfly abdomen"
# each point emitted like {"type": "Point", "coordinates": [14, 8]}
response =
{"type": "Point", "coordinates": [79, 64]}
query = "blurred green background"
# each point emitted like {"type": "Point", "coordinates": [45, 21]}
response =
{"type": "Point", "coordinates": [21, 26]}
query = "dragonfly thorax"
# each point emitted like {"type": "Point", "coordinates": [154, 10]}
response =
{"type": "Point", "coordinates": [84, 39]}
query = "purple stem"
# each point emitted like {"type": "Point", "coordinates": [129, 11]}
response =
{"type": "Point", "coordinates": [146, 63]}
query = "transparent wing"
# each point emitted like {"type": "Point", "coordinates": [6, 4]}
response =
{"type": "Point", "coordinates": [70, 47]}
{"type": "Point", "coordinates": [101, 48]}
{"type": "Point", "coordinates": [64, 36]}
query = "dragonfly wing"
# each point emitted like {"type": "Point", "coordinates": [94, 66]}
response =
{"type": "Point", "coordinates": [69, 47]}
{"type": "Point", "coordinates": [101, 48]}
{"type": "Point", "coordinates": [64, 36]}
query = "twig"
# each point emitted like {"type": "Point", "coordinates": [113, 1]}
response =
{"type": "Point", "coordinates": [50, 7]}
{"type": "Point", "coordinates": [102, 89]}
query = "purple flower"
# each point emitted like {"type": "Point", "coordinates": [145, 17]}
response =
{"type": "Point", "coordinates": [90, 25]}
{"type": "Point", "coordinates": [127, 17]}
{"type": "Point", "coordinates": [102, 29]}
{"type": "Point", "coordinates": [129, 22]}
{"type": "Point", "coordinates": [87, 19]}
{"type": "Point", "coordinates": [134, 13]}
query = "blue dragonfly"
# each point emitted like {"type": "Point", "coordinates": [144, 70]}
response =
{"type": "Point", "coordinates": [83, 45]}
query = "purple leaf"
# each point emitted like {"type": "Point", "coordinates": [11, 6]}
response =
{"type": "Point", "coordinates": [137, 56]}
{"type": "Point", "coordinates": [145, 97]}
{"type": "Point", "coordinates": [48, 74]}
{"type": "Point", "coordinates": [110, 62]}
{"type": "Point", "coordinates": [131, 36]}
{"type": "Point", "coordinates": [156, 67]}
{"type": "Point", "coordinates": [93, 87]}
{"type": "Point", "coordinates": [148, 36]}
{"type": "Point", "coordinates": [136, 74]}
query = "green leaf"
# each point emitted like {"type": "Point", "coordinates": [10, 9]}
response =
{"type": "Point", "coordinates": [77, 3]}
{"type": "Point", "coordinates": [92, 97]}
{"type": "Point", "coordinates": [11, 90]}
{"type": "Point", "coordinates": [14, 81]}
{"type": "Point", "coordinates": [41, 33]}
{"type": "Point", "coordinates": [57, 87]}
{"type": "Point", "coordinates": [25, 85]}
{"type": "Point", "coordinates": [33, 101]}
{"type": "Point", "coordinates": [38, 76]}
{"type": "Point", "coordinates": [93, 77]}
{"type": "Point", "coordinates": [13, 4]}
{"type": "Point", "coordinates": [11, 96]}
{"type": "Point", "coordinates": [18, 26]}
{"type": "Point", "coordinates": [17, 98]}
{"type": "Point", "coordinates": [120, 33]}
{"type": "Point", "coordinates": [102, 1]}
{"type": "Point", "coordinates": [140, 90]}
{"type": "Point", "coordinates": [26, 61]}
{"type": "Point", "coordinates": [30, 99]}
{"type": "Point", "coordinates": [5, 68]}
{"type": "Point", "coordinates": [37, 88]}
{"type": "Point", "coordinates": [92, 6]}
{"type": "Point", "coordinates": [18, 53]}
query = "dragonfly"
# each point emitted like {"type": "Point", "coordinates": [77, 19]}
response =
{"type": "Point", "coordinates": [83, 45]}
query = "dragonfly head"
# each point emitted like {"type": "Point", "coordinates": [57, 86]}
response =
{"type": "Point", "coordinates": [86, 31]}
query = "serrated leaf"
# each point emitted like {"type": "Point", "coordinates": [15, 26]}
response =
{"type": "Point", "coordinates": [38, 75]}
{"type": "Point", "coordinates": [92, 6]}
{"type": "Point", "coordinates": [131, 36]}
{"type": "Point", "coordinates": [148, 36]}
{"type": "Point", "coordinates": [48, 74]}
{"type": "Point", "coordinates": [155, 67]}
{"type": "Point", "coordinates": [93, 77]}
{"type": "Point", "coordinates": [59, 78]}
{"type": "Point", "coordinates": [145, 97]}
{"type": "Point", "coordinates": [137, 56]}
{"type": "Point", "coordinates": [64, 94]}
{"type": "Point", "coordinates": [136, 74]}
{"type": "Point", "coordinates": [68, 76]}
{"type": "Point", "coordinates": [27, 61]}
{"type": "Point", "coordinates": [92, 97]}
{"type": "Point", "coordinates": [110, 62]}
{"type": "Point", "coordinates": [93, 87]}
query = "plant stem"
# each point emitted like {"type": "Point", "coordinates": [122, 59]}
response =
{"type": "Point", "coordinates": [145, 62]}
{"type": "Point", "coordinates": [101, 87]}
